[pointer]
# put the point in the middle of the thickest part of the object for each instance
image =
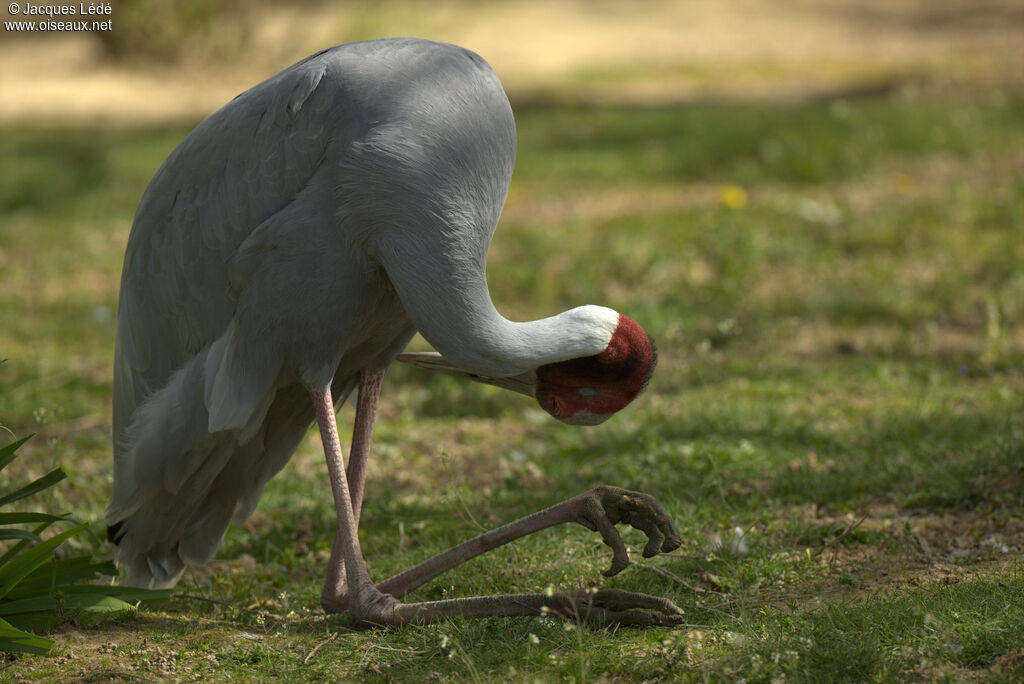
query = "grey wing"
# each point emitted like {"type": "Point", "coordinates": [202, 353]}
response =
{"type": "Point", "coordinates": [235, 171]}
{"type": "Point", "coordinates": [218, 325]}
{"type": "Point", "coordinates": [238, 172]}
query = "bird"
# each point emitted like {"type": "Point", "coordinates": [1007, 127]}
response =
{"type": "Point", "coordinates": [281, 258]}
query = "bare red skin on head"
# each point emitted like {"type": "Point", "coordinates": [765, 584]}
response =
{"type": "Point", "coordinates": [618, 375]}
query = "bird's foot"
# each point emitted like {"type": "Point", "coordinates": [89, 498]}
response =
{"type": "Point", "coordinates": [367, 607]}
{"type": "Point", "coordinates": [333, 602]}
{"type": "Point", "coordinates": [609, 607]}
{"type": "Point", "coordinates": [602, 507]}
{"type": "Point", "coordinates": [376, 609]}
{"type": "Point", "coordinates": [595, 607]}
{"type": "Point", "coordinates": [334, 597]}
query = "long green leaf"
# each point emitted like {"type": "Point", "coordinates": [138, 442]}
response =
{"type": "Point", "coordinates": [51, 478]}
{"type": "Point", "coordinates": [37, 623]}
{"type": "Point", "coordinates": [59, 574]}
{"type": "Point", "coordinates": [125, 593]}
{"type": "Point", "coordinates": [84, 596]}
{"type": "Point", "coordinates": [14, 639]}
{"type": "Point", "coordinates": [12, 646]}
{"type": "Point", "coordinates": [17, 518]}
{"type": "Point", "coordinates": [17, 568]}
{"type": "Point", "coordinates": [94, 603]}
{"type": "Point", "coordinates": [130, 594]}
{"type": "Point", "coordinates": [35, 587]}
{"type": "Point", "coordinates": [28, 605]}
{"type": "Point", "coordinates": [7, 453]}
{"type": "Point", "coordinates": [16, 549]}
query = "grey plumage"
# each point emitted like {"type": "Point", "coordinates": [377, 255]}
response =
{"type": "Point", "coordinates": [300, 235]}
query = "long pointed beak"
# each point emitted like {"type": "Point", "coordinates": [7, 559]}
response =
{"type": "Point", "coordinates": [523, 384]}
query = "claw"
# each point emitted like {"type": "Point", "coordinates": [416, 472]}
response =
{"type": "Point", "coordinates": [600, 510]}
{"type": "Point", "coordinates": [597, 607]}
{"type": "Point", "coordinates": [608, 607]}
{"type": "Point", "coordinates": [605, 506]}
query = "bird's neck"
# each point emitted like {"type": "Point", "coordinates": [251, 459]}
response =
{"type": "Point", "coordinates": [438, 272]}
{"type": "Point", "coordinates": [504, 348]}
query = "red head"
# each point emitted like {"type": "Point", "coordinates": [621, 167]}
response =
{"type": "Point", "coordinates": [588, 390]}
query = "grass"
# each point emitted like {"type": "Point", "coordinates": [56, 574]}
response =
{"type": "Point", "coordinates": [837, 294]}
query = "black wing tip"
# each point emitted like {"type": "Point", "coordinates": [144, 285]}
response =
{"type": "Point", "coordinates": [114, 532]}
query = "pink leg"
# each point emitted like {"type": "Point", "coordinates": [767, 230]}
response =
{"type": "Point", "coordinates": [345, 554]}
{"type": "Point", "coordinates": [599, 509]}
{"type": "Point", "coordinates": [359, 453]}
{"type": "Point", "coordinates": [335, 595]}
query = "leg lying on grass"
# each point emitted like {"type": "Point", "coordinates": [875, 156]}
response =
{"type": "Point", "coordinates": [599, 509]}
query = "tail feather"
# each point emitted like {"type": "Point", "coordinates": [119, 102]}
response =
{"type": "Point", "coordinates": [161, 529]}
{"type": "Point", "coordinates": [206, 528]}
{"type": "Point", "coordinates": [164, 444]}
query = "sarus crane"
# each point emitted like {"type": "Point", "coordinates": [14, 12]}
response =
{"type": "Point", "coordinates": [281, 259]}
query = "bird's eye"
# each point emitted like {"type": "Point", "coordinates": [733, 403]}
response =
{"type": "Point", "coordinates": [586, 391]}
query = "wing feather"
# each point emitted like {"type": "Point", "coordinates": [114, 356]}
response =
{"type": "Point", "coordinates": [234, 171]}
{"type": "Point", "coordinates": [257, 210]}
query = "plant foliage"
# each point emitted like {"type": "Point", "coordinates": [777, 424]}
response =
{"type": "Point", "coordinates": [38, 589]}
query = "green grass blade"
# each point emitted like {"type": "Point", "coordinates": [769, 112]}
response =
{"type": "Point", "coordinates": [16, 549]}
{"type": "Point", "coordinates": [7, 454]}
{"type": "Point", "coordinates": [17, 568]}
{"type": "Point", "coordinates": [18, 534]}
{"type": "Point", "coordinates": [18, 518]}
{"type": "Point", "coordinates": [48, 480]}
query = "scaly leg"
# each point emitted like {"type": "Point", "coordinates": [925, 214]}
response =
{"type": "Point", "coordinates": [334, 597]}
{"type": "Point", "coordinates": [362, 431]}
{"type": "Point", "coordinates": [598, 509]}
{"type": "Point", "coordinates": [362, 597]}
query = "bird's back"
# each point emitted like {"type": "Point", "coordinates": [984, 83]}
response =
{"type": "Point", "coordinates": [299, 167]}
